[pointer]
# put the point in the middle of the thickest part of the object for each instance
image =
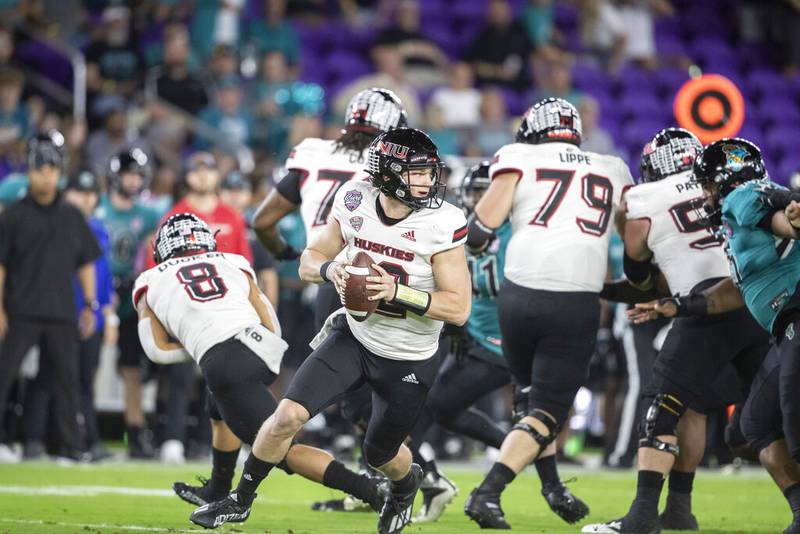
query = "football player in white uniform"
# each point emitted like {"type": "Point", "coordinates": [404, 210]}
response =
{"type": "Point", "coordinates": [315, 171]}
{"type": "Point", "coordinates": [202, 305]}
{"type": "Point", "coordinates": [663, 228]}
{"type": "Point", "coordinates": [561, 201]}
{"type": "Point", "coordinates": [416, 240]}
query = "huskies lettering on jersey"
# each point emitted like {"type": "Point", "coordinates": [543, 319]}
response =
{"type": "Point", "coordinates": [574, 157]}
{"type": "Point", "coordinates": [386, 250]}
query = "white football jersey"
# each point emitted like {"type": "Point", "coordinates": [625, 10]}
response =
{"type": "Point", "coordinates": [201, 300]}
{"type": "Point", "coordinates": [326, 171]}
{"type": "Point", "coordinates": [683, 248]}
{"type": "Point", "coordinates": [406, 251]}
{"type": "Point", "coordinates": [563, 208]}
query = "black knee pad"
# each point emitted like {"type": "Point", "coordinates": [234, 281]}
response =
{"type": "Point", "coordinates": [520, 405]}
{"type": "Point", "coordinates": [377, 456]}
{"type": "Point", "coordinates": [552, 426]}
{"type": "Point", "coordinates": [661, 419]}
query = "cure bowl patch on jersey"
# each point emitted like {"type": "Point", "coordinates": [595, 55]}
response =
{"type": "Point", "coordinates": [352, 199]}
{"type": "Point", "coordinates": [356, 222]}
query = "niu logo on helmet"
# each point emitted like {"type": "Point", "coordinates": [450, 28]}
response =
{"type": "Point", "coordinates": [393, 150]}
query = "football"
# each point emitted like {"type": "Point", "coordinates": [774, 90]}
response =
{"type": "Point", "coordinates": [355, 294]}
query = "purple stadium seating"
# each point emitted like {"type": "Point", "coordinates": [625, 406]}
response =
{"type": "Point", "coordinates": [764, 83]}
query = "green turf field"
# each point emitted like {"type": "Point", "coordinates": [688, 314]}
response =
{"type": "Point", "coordinates": [136, 497]}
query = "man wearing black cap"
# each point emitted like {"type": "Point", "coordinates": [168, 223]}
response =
{"type": "Point", "coordinates": [43, 241]}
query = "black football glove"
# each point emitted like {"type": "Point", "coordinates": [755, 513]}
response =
{"type": "Point", "coordinates": [774, 196]}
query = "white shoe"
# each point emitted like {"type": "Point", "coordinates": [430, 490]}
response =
{"type": "Point", "coordinates": [612, 527]}
{"type": "Point", "coordinates": [172, 452]}
{"type": "Point", "coordinates": [8, 455]}
{"type": "Point", "coordinates": [437, 492]}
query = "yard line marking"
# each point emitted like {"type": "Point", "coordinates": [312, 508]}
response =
{"type": "Point", "coordinates": [95, 491]}
{"type": "Point", "coordinates": [94, 525]}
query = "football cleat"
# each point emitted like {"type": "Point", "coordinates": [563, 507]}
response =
{"type": "Point", "coordinates": [794, 528]}
{"type": "Point", "coordinates": [396, 511]}
{"type": "Point", "coordinates": [197, 495]}
{"type": "Point", "coordinates": [564, 504]}
{"type": "Point", "coordinates": [620, 526]}
{"type": "Point", "coordinates": [678, 520]}
{"type": "Point", "coordinates": [437, 492]}
{"type": "Point", "coordinates": [226, 510]}
{"type": "Point", "coordinates": [484, 509]}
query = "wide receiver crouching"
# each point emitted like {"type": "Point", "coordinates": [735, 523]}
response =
{"type": "Point", "coordinates": [416, 240]}
{"type": "Point", "coordinates": [199, 304]}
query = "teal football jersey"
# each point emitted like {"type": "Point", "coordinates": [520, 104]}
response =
{"type": "Point", "coordinates": [766, 268]}
{"type": "Point", "coordinates": [487, 274]}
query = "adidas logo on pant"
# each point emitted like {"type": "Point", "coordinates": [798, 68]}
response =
{"type": "Point", "coordinates": [411, 379]}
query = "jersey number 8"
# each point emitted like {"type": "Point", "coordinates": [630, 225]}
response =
{"type": "Point", "coordinates": [201, 282]}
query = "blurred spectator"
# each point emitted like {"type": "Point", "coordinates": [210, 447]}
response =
{"type": "Point", "coordinates": [173, 81]}
{"type": "Point", "coordinates": [82, 191]}
{"type": "Point", "coordinates": [445, 138]}
{"type": "Point", "coordinates": [423, 60]}
{"type": "Point", "coordinates": [495, 130]}
{"type": "Point", "coordinates": [128, 223]}
{"type": "Point", "coordinates": [215, 23]}
{"type": "Point", "coordinates": [43, 243]}
{"type": "Point", "coordinates": [459, 102]}
{"type": "Point", "coordinates": [277, 97]}
{"type": "Point", "coordinates": [366, 13]}
{"type": "Point", "coordinates": [202, 199]}
{"type": "Point", "coordinates": [15, 125]}
{"type": "Point", "coordinates": [6, 46]}
{"type": "Point", "coordinates": [500, 51]}
{"type": "Point", "coordinates": [113, 63]}
{"type": "Point", "coordinates": [594, 137]}
{"type": "Point", "coordinates": [274, 33]}
{"type": "Point", "coordinates": [114, 137]}
{"type": "Point", "coordinates": [389, 74]}
{"type": "Point", "coordinates": [228, 114]}
{"type": "Point", "coordinates": [554, 79]}
{"type": "Point", "coordinates": [537, 18]}
{"type": "Point", "coordinates": [237, 192]}
{"type": "Point", "coordinates": [603, 32]}
{"type": "Point", "coordinates": [639, 28]}
{"type": "Point", "coordinates": [224, 63]}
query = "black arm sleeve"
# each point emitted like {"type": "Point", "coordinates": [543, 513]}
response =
{"type": "Point", "coordinates": [289, 185]}
{"type": "Point", "coordinates": [637, 271]}
{"type": "Point", "coordinates": [766, 221]}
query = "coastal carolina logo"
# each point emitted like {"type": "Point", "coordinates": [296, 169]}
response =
{"type": "Point", "coordinates": [352, 199]}
{"type": "Point", "coordinates": [735, 157]}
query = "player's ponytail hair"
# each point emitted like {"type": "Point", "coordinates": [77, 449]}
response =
{"type": "Point", "coordinates": [354, 140]}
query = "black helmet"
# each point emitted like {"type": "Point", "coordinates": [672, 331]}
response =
{"type": "Point", "coordinates": [46, 149]}
{"type": "Point", "coordinates": [182, 232]}
{"type": "Point", "coordinates": [671, 151]}
{"type": "Point", "coordinates": [727, 163]}
{"type": "Point", "coordinates": [128, 161]}
{"type": "Point", "coordinates": [375, 110]}
{"type": "Point", "coordinates": [393, 154]}
{"type": "Point", "coordinates": [550, 120]}
{"type": "Point", "coordinates": [475, 181]}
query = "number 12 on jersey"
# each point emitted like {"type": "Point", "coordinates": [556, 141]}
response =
{"type": "Point", "coordinates": [596, 192]}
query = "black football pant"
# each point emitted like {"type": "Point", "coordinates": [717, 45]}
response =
{"type": "Point", "coordinates": [461, 382]}
{"type": "Point", "coordinates": [58, 343]}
